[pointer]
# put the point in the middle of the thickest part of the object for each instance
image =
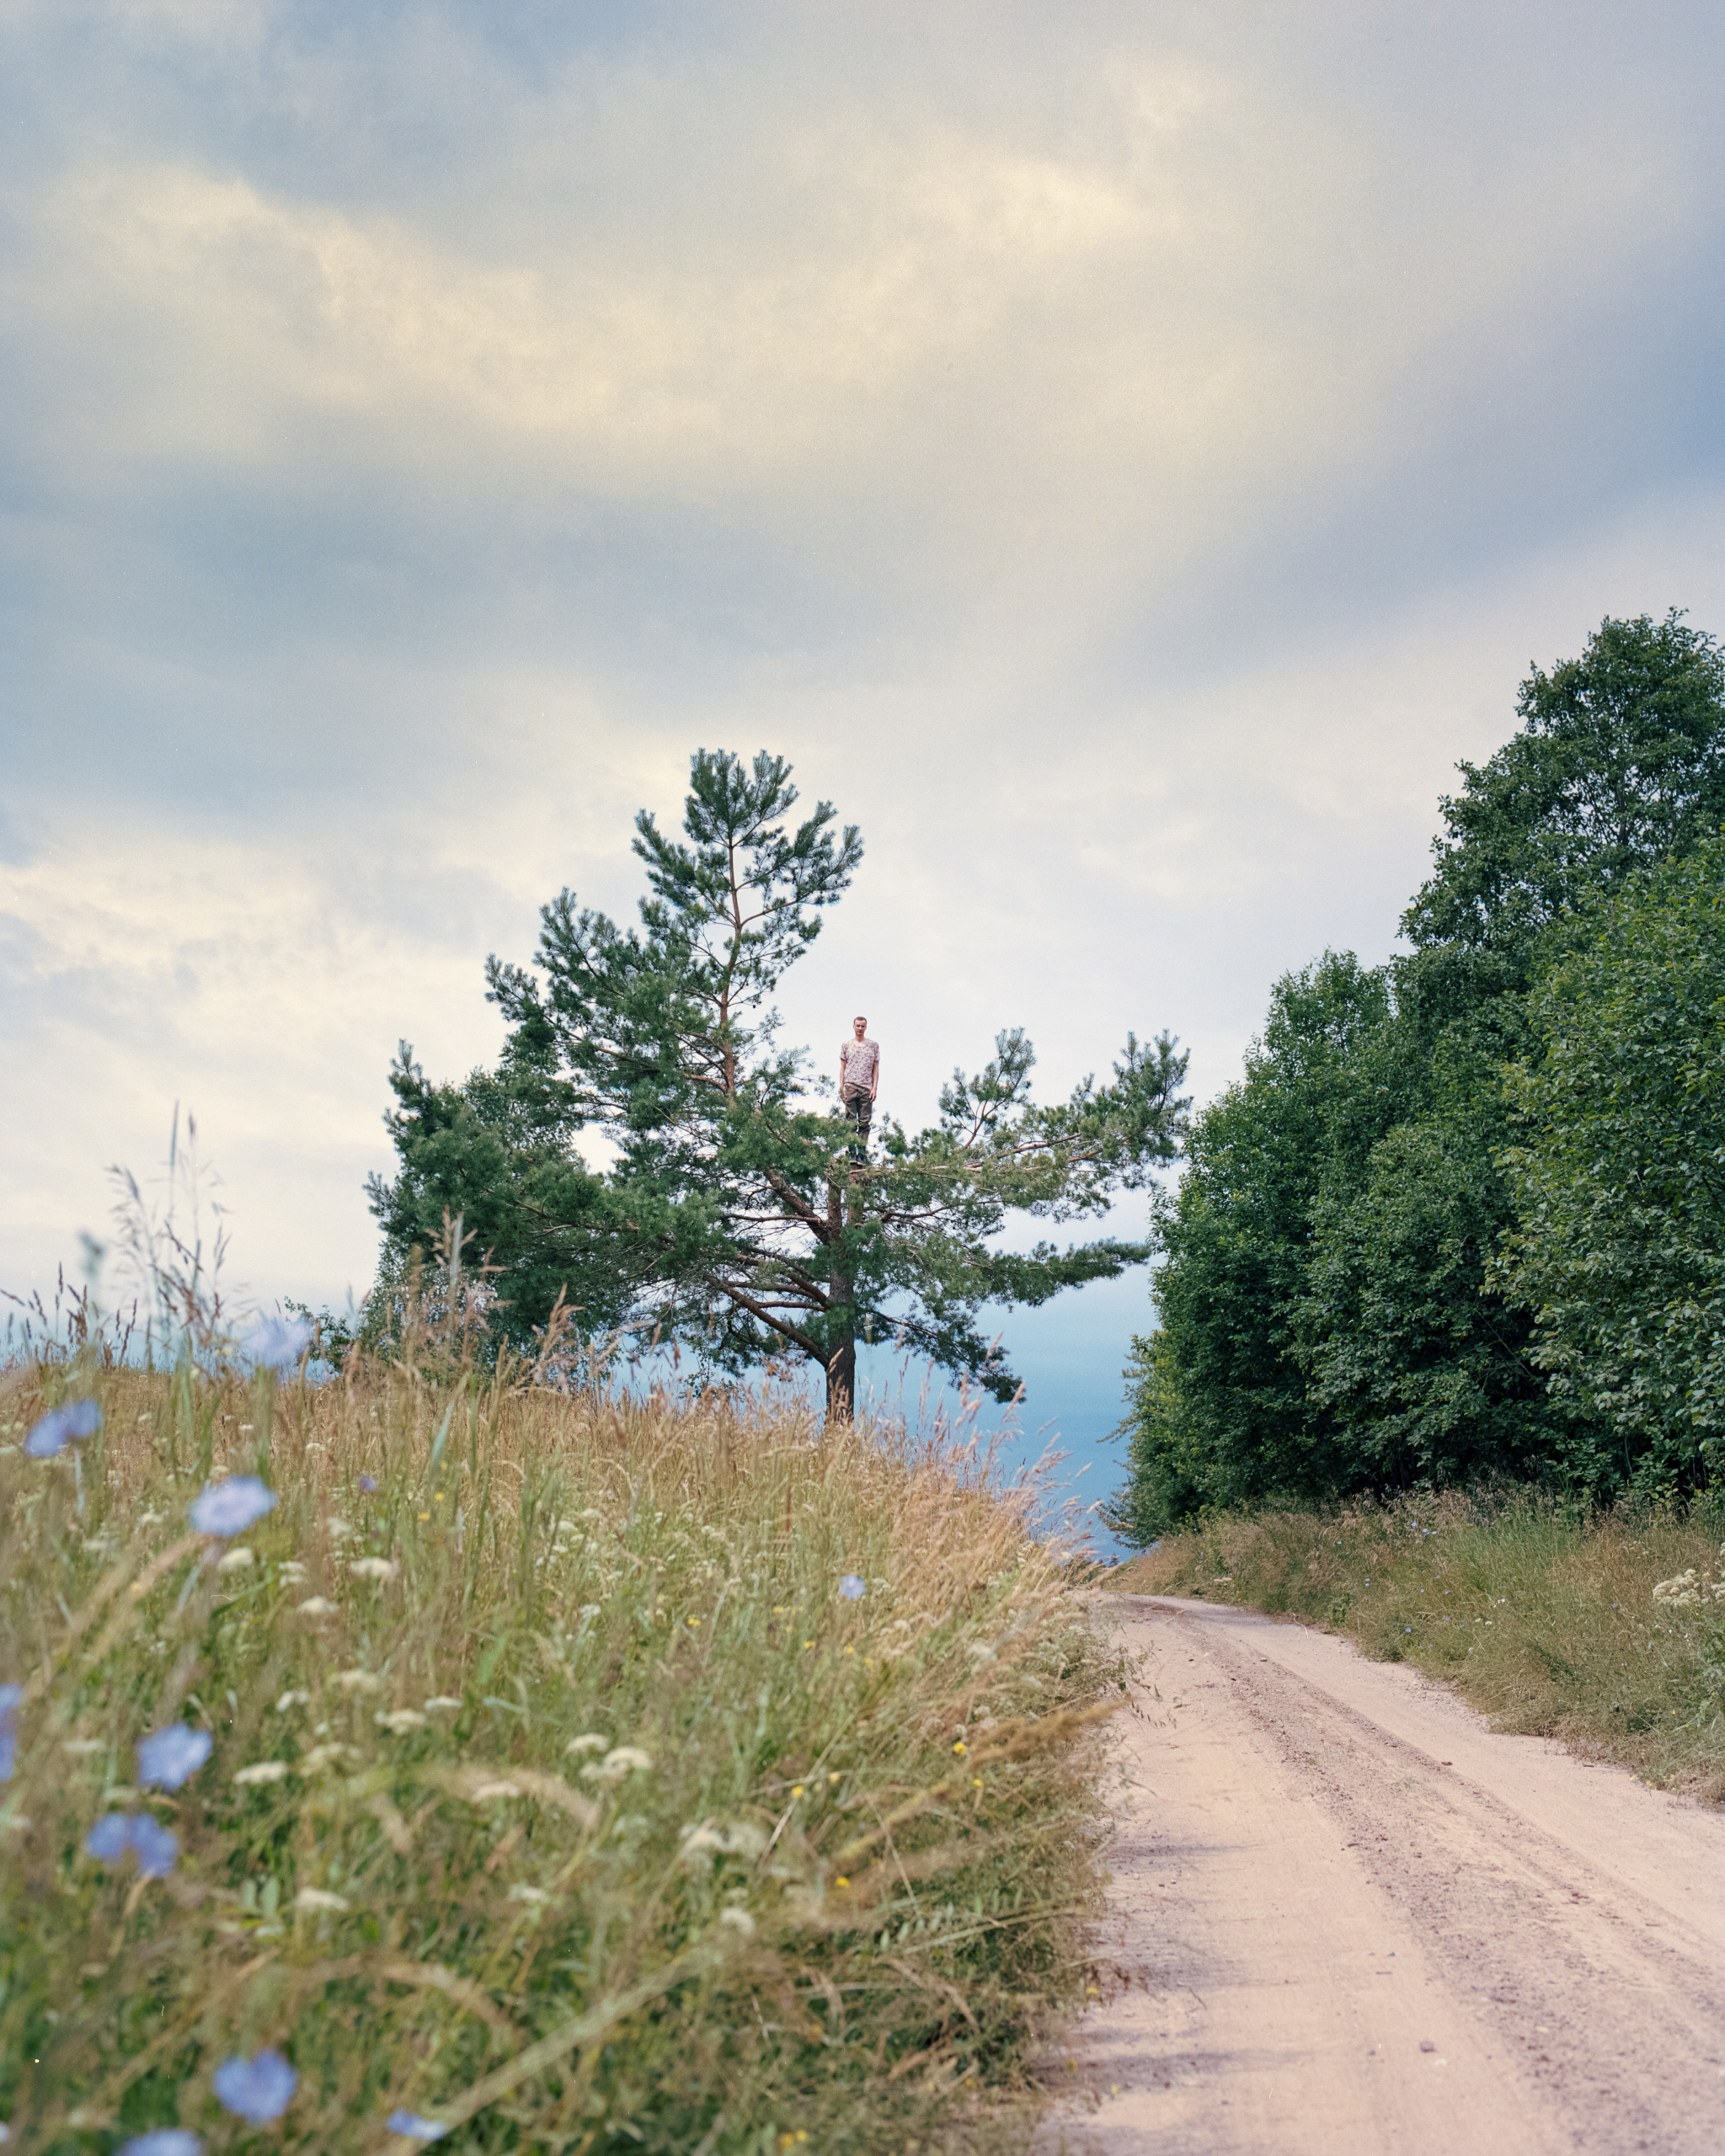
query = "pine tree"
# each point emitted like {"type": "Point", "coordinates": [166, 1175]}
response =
{"type": "Point", "coordinates": [739, 1217]}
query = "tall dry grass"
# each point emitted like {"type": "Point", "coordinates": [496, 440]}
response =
{"type": "Point", "coordinates": [1544, 1619]}
{"type": "Point", "coordinates": [564, 1793]}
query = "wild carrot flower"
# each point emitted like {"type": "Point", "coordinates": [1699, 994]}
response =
{"type": "Point", "coordinates": [401, 1721]}
{"type": "Point", "coordinates": [169, 1759]}
{"type": "Point", "coordinates": [256, 2090]}
{"type": "Point", "coordinates": [325, 1755]}
{"type": "Point", "coordinates": [590, 1742]}
{"type": "Point", "coordinates": [77, 1419]}
{"type": "Point", "coordinates": [374, 1568]}
{"type": "Point", "coordinates": [318, 1897]}
{"type": "Point", "coordinates": [442, 1704]}
{"type": "Point", "coordinates": [625, 1760]}
{"type": "Point", "coordinates": [263, 1770]}
{"type": "Point", "coordinates": [315, 1605]}
{"type": "Point", "coordinates": [358, 1680]}
{"type": "Point", "coordinates": [852, 1587]}
{"type": "Point", "coordinates": [237, 1561]}
{"type": "Point", "coordinates": [743, 1838]}
{"type": "Point", "coordinates": [231, 1507]}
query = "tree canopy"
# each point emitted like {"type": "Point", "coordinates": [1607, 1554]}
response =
{"type": "Point", "coordinates": [1618, 1245]}
{"type": "Point", "coordinates": [1619, 762]}
{"type": "Point", "coordinates": [736, 1215]}
{"type": "Point", "coordinates": [1392, 1260]}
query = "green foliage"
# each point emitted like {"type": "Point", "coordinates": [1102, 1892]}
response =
{"type": "Point", "coordinates": [497, 1153]}
{"type": "Point", "coordinates": [1620, 762]}
{"type": "Point", "coordinates": [1424, 1370]}
{"type": "Point", "coordinates": [1332, 1315]}
{"type": "Point", "coordinates": [1222, 1408]}
{"type": "Point", "coordinates": [559, 1792]}
{"type": "Point", "coordinates": [1619, 1245]}
{"type": "Point", "coordinates": [738, 1218]}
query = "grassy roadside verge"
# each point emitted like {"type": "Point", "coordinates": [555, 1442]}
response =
{"type": "Point", "coordinates": [1545, 1622]}
{"type": "Point", "coordinates": [581, 1775]}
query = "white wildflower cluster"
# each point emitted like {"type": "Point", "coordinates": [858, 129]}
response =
{"type": "Point", "coordinates": [322, 1757]}
{"type": "Point", "coordinates": [737, 1838]}
{"type": "Point", "coordinates": [624, 1759]}
{"type": "Point", "coordinates": [1689, 1589]}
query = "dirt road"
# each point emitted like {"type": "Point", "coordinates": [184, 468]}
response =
{"type": "Point", "coordinates": [1347, 1920]}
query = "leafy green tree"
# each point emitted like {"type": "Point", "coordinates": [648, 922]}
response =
{"type": "Point", "coordinates": [738, 1216]}
{"type": "Point", "coordinates": [1619, 1245]}
{"type": "Point", "coordinates": [1221, 1412]}
{"type": "Point", "coordinates": [1330, 1317]}
{"type": "Point", "coordinates": [1425, 1370]}
{"type": "Point", "coordinates": [1620, 762]}
{"type": "Point", "coordinates": [497, 1154]}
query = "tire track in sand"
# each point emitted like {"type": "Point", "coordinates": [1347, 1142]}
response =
{"type": "Point", "coordinates": [1347, 1918]}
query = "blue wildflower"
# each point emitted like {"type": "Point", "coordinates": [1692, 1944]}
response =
{"type": "Point", "coordinates": [231, 1507]}
{"type": "Point", "coordinates": [416, 2128]}
{"type": "Point", "coordinates": [852, 1587]}
{"type": "Point", "coordinates": [170, 1758]}
{"type": "Point", "coordinates": [11, 1698]}
{"type": "Point", "coordinates": [78, 1418]}
{"type": "Point", "coordinates": [257, 2089]}
{"type": "Point", "coordinates": [156, 1848]}
{"type": "Point", "coordinates": [109, 1838]}
{"type": "Point", "coordinates": [165, 2141]}
{"type": "Point", "coordinates": [368, 1483]}
{"type": "Point", "coordinates": [278, 1341]}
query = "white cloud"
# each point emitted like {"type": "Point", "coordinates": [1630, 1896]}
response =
{"type": "Point", "coordinates": [1123, 457]}
{"type": "Point", "coordinates": [984, 340]}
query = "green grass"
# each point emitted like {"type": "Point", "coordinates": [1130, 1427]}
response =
{"type": "Point", "coordinates": [1544, 1621]}
{"type": "Point", "coordinates": [600, 1819]}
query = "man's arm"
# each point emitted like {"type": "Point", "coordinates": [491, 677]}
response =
{"type": "Point", "coordinates": [874, 1089]}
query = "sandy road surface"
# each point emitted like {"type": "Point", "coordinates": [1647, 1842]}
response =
{"type": "Point", "coordinates": [1348, 1919]}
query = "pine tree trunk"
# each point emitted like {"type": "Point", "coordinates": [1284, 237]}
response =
{"type": "Point", "coordinates": [841, 1352]}
{"type": "Point", "coordinates": [842, 1380]}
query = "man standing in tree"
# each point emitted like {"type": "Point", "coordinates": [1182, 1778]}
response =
{"type": "Point", "coordinates": [859, 1077]}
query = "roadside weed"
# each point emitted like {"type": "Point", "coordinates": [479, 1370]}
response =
{"type": "Point", "coordinates": [421, 1756]}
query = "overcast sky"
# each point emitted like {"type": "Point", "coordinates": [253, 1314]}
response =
{"type": "Point", "coordinates": [1123, 454]}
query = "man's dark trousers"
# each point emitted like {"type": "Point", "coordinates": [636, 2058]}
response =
{"type": "Point", "coordinates": [859, 1106]}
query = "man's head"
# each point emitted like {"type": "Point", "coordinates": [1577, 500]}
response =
{"type": "Point", "coordinates": [860, 1026]}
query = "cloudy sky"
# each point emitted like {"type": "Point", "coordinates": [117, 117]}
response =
{"type": "Point", "coordinates": [1125, 454]}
